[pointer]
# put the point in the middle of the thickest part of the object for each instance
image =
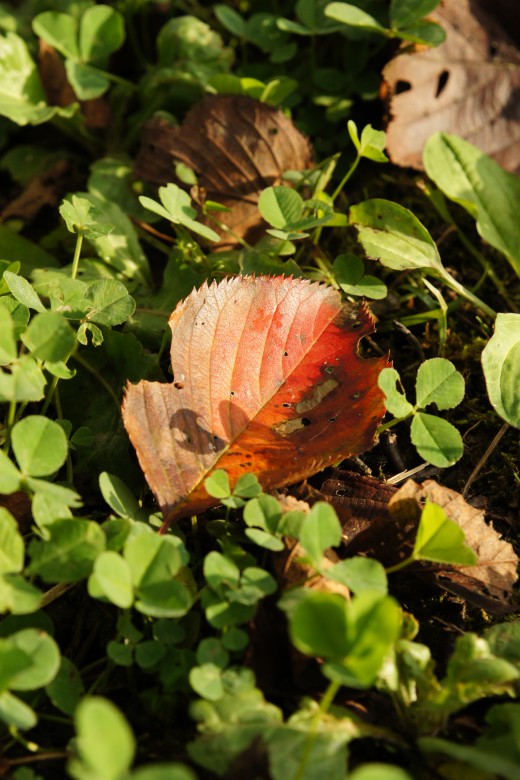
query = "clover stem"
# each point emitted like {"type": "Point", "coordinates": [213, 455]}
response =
{"type": "Point", "coordinates": [488, 268]}
{"type": "Point", "coordinates": [400, 565]}
{"type": "Point", "coordinates": [50, 393]}
{"type": "Point", "coordinates": [390, 424]}
{"type": "Point", "coordinates": [442, 320]}
{"type": "Point", "coordinates": [346, 177]}
{"type": "Point", "coordinates": [77, 253]}
{"type": "Point", "coordinates": [326, 701]}
{"type": "Point", "coordinates": [9, 424]}
{"type": "Point", "coordinates": [116, 79]}
{"type": "Point", "coordinates": [226, 229]}
{"type": "Point", "coordinates": [458, 287]}
{"type": "Point", "coordinates": [98, 376]}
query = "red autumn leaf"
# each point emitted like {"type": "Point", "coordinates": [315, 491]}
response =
{"type": "Point", "coordinates": [267, 379]}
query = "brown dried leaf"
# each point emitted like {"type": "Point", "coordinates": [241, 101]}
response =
{"type": "Point", "coordinates": [46, 189]}
{"type": "Point", "coordinates": [469, 86]}
{"type": "Point", "coordinates": [381, 521]}
{"type": "Point", "coordinates": [19, 505]}
{"type": "Point", "coordinates": [237, 146]}
{"type": "Point", "coordinates": [496, 571]}
{"type": "Point", "coordinates": [361, 503]}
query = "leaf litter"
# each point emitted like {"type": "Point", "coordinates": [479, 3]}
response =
{"type": "Point", "coordinates": [468, 85]}
{"type": "Point", "coordinates": [236, 146]}
{"type": "Point", "coordinates": [381, 520]}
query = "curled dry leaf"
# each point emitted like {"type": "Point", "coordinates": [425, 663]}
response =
{"type": "Point", "coordinates": [496, 571]}
{"type": "Point", "coordinates": [267, 379]}
{"type": "Point", "coordinates": [237, 146]}
{"type": "Point", "coordinates": [44, 189]}
{"type": "Point", "coordinates": [469, 86]}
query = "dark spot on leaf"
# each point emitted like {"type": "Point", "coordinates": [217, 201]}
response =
{"type": "Point", "coordinates": [355, 325]}
{"type": "Point", "coordinates": [178, 385]}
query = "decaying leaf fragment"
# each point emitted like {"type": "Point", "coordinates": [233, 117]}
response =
{"type": "Point", "coordinates": [267, 379]}
{"type": "Point", "coordinates": [496, 571]}
{"type": "Point", "coordinates": [289, 566]}
{"type": "Point", "coordinates": [237, 146]}
{"type": "Point", "coordinates": [96, 112]}
{"type": "Point", "coordinates": [468, 85]}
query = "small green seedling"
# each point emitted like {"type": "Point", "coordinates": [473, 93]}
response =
{"type": "Point", "coordinates": [438, 382]}
{"type": "Point", "coordinates": [352, 638]}
{"type": "Point", "coordinates": [82, 218]}
{"type": "Point", "coordinates": [290, 215]}
{"type": "Point", "coordinates": [349, 272]}
{"type": "Point", "coordinates": [175, 206]}
{"type": "Point", "coordinates": [247, 486]}
{"type": "Point", "coordinates": [86, 46]}
{"type": "Point", "coordinates": [438, 539]}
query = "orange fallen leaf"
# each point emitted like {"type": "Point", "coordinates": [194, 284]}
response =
{"type": "Point", "coordinates": [468, 85]}
{"type": "Point", "coordinates": [267, 379]}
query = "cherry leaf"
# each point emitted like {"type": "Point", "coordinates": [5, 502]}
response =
{"type": "Point", "coordinates": [267, 379]}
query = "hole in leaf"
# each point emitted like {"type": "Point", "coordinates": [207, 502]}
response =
{"type": "Point", "coordinates": [402, 86]}
{"type": "Point", "coordinates": [356, 325]}
{"type": "Point", "coordinates": [441, 83]}
{"type": "Point", "coordinates": [305, 421]}
{"type": "Point", "coordinates": [287, 406]}
{"type": "Point", "coordinates": [492, 49]}
{"type": "Point", "coordinates": [285, 354]}
{"type": "Point", "coordinates": [332, 419]}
